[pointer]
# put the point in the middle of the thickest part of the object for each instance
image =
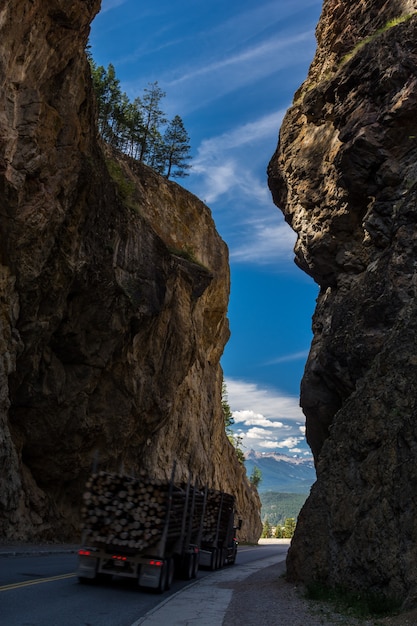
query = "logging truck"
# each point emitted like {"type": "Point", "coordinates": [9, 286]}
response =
{"type": "Point", "coordinates": [152, 530]}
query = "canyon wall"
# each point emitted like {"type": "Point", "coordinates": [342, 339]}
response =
{"type": "Point", "coordinates": [345, 177]}
{"type": "Point", "coordinates": [114, 288]}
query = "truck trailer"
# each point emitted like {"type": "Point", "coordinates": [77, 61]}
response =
{"type": "Point", "coordinates": [151, 530]}
{"type": "Point", "coordinates": [140, 528]}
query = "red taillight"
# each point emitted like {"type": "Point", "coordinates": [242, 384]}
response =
{"type": "Point", "coordinates": [84, 552]}
{"type": "Point", "coordinates": [157, 563]}
{"type": "Point", "coordinates": [119, 558]}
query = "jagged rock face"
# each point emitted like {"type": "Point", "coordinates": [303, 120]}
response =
{"type": "Point", "coordinates": [114, 288]}
{"type": "Point", "coordinates": [345, 177]}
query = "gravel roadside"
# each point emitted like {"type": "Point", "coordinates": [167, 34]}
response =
{"type": "Point", "coordinates": [267, 598]}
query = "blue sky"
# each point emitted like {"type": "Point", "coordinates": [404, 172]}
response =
{"type": "Point", "coordinates": [230, 70]}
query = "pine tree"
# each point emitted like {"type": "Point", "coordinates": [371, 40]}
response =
{"type": "Point", "coordinates": [235, 440]}
{"type": "Point", "coordinates": [136, 128]}
{"type": "Point", "coordinates": [153, 119]}
{"type": "Point", "coordinates": [266, 530]}
{"type": "Point", "coordinates": [256, 476]}
{"type": "Point", "coordinates": [109, 99]}
{"type": "Point", "coordinates": [176, 149]}
{"type": "Point", "coordinates": [289, 528]}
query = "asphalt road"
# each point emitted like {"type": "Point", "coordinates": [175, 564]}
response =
{"type": "Point", "coordinates": [42, 590]}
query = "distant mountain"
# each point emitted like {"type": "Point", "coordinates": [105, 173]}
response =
{"type": "Point", "coordinates": [280, 472]}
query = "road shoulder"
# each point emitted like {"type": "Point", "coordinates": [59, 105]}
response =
{"type": "Point", "coordinates": [205, 601]}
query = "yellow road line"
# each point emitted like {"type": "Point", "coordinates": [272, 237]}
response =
{"type": "Point", "coordinates": [28, 583]}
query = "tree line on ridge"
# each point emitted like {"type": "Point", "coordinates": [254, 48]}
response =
{"type": "Point", "coordinates": [140, 128]}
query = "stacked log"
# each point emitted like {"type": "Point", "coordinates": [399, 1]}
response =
{"type": "Point", "coordinates": [219, 507]}
{"type": "Point", "coordinates": [131, 512]}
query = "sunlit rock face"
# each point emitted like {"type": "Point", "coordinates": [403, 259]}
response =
{"type": "Point", "coordinates": [345, 177]}
{"type": "Point", "coordinates": [114, 287]}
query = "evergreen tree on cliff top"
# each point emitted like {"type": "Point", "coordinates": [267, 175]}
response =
{"type": "Point", "coordinates": [140, 128]}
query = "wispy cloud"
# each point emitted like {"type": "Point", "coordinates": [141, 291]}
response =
{"type": "Point", "coordinates": [107, 5]}
{"type": "Point", "coordinates": [240, 136]}
{"type": "Point", "coordinates": [252, 57]}
{"type": "Point", "coordinates": [222, 164]}
{"type": "Point", "coordinates": [287, 358]}
{"type": "Point", "coordinates": [269, 241]}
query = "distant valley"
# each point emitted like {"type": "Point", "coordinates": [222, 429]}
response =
{"type": "Point", "coordinates": [285, 484]}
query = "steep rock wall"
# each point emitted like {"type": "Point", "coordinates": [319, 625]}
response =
{"type": "Point", "coordinates": [345, 177]}
{"type": "Point", "coordinates": [114, 291]}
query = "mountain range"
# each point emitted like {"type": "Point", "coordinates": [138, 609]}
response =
{"type": "Point", "coordinates": [280, 472]}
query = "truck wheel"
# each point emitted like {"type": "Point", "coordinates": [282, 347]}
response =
{"type": "Point", "coordinates": [220, 559]}
{"type": "Point", "coordinates": [85, 581]}
{"type": "Point", "coordinates": [170, 565]}
{"type": "Point", "coordinates": [196, 562]}
{"type": "Point", "coordinates": [188, 566]}
{"type": "Point", "coordinates": [163, 578]}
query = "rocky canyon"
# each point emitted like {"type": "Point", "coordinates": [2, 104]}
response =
{"type": "Point", "coordinates": [114, 287]}
{"type": "Point", "coordinates": [345, 177]}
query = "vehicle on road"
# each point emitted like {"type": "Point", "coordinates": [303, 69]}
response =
{"type": "Point", "coordinates": [153, 530]}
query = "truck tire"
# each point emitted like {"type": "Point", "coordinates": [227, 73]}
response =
{"type": "Point", "coordinates": [196, 563]}
{"type": "Point", "coordinates": [163, 578]}
{"type": "Point", "coordinates": [170, 564]}
{"type": "Point", "coordinates": [85, 581]}
{"type": "Point", "coordinates": [214, 557]}
{"type": "Point", "coordinates": [188, 566]}
{"type": "Point", "coordinates": [220, 558]}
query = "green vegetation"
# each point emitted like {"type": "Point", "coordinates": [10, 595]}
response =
{"type": "Point", "coordinates": [355, 604]}
{"type": "Point", "coordinates": [266, 530]}
{"type": "Point", "coordinates": [390, 24]}
{"type": "Point", "coordinates": [140, 128]}
{"type": "Point", "coordinates": [280, 532]}
{"type": "Point", "coordinates": [125, 186]}
{"type": "Point", "coordinates": [235, 440]}
{"type": "Point", "coordinates": [287, 531]}
{"type": "Point", "coordinates": [256, 477]}
{"type": "Point", "coordinates": [186, 253]}
{"type": "Point", "coordinates": [278, 507]}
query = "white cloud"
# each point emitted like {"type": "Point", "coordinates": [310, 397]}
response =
{"type": "Point", "coordinates": [257, 433]}
{"type": "Point", "coordinates": [243, 395]}
{"type": "Point", "coordinates": [268, 444]}
{"type": "Point", "coordinates": [290, 443]}
{"type": "Point", "coordinates": [258, 438]}
{"type": "Point", "coordinates": [264, 418]}
{"type": "Point", "coordinates": [249, 418]}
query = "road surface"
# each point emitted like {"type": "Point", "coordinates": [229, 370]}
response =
{"type": "Point", "coordinates": [43, 590]}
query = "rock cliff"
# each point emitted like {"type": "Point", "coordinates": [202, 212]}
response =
{"type": "Point", "coordinates": [345, 177]}
{"type": "Point", "coordinates": [114, 288]}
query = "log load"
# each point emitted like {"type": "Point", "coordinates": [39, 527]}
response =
{"type": "Point", "coordinates": [138, 512]}
{"type": "Point", "coordinates": [218, 517]}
